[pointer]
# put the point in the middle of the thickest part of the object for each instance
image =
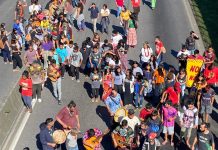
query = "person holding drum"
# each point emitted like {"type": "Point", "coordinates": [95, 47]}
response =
{"type": "Point", "coordinates": [113, 103]}
{"type": "Point", "coordinates": [68, 117]}
{"type": "Point", "coordinates": [46, 138]}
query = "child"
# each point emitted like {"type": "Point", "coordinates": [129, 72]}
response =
{"type": "Point", "coordinates": [168, 117]}
{"type": "Point", "coordinates": [26, 90]}
{"type": "Point", "coordinates": [71, 142]}
{"type": "Point", "coordinates": [138, 91]}
{"type": "Point", "coordinates": [95, 77]}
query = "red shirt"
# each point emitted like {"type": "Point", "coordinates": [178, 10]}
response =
{"type": "Point", "coordinates": [135, 3]}
{"type": "Point", "coordinates": [158, 46]}
{"type": "Point", "coordinates": [120, 3]}
{"type": "Point", "coordinates": [68, 118]}
{"type": "Point", "coordinates": [144, 113]}
{"type": "Point", "coordinates": [26, 91]}
{"type": "Point", "coordinates": [211, 75]}
{"type": "Point", "coordinates": [172, 95]}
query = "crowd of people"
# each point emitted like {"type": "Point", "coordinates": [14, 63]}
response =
{"type": "Point", "coordinates": [47, 40]}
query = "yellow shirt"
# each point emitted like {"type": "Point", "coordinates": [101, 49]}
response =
{"type": "Point", "coordinates": [45, 23]}
{"type": "Point", "coordinates": [125, 15]}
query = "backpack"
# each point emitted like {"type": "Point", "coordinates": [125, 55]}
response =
{"type": "Point", "coordinates": [2, 45]}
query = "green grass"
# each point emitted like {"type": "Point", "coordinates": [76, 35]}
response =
{"type": "Point", "coordinates": [206, 14]}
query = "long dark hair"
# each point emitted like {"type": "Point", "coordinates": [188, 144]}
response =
{"type": "Point", "coordinates": [160, 70]}
{"type": "Point", "coordinates": [132, 17]}
{"type": "Point", "coordinates": [116, 72]}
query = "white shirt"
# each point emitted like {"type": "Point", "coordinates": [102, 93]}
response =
{"type": "Point", "coordinates": [71, 141]}
{"type": "Point", "coordinates": [116, 39]}
{"type": "Point", "coordinates": [105, 12]}
{"type": "Point", "coordinates": [146, 54]}
{"type": "Point", "coordinates": [69, 51]}
{"type": "Point", "coordinates": [132, 122]}
{"type": "Point", "coordinates": [186, 52]}
{"type": "Point", "coordinates": [34, 7]}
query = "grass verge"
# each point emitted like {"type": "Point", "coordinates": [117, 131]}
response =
{"type": "Point", "coordinates": [206, 15]}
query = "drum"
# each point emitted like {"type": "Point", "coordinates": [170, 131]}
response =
{"type": "Point", "coordinates": [120, 113]}
{"type": "Point", "coordinates": [59, 136]}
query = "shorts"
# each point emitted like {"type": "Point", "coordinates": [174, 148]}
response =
{"type": "Point", "coordinates": [183, 129]}
{"type": "Point", "coordinates": [169, 130]}
{"type": "Point", "coordinates": [206, 109]}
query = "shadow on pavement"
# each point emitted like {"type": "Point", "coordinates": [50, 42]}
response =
{"type": "Point", "coordinates": [88, 88]}
{"type": "Point", "coordinates": [118, 29]}
{"type": "Point", "coordinates": [174, 53]}
{"type": "Point", "coordinates": [102, 112]}
{"type": "Point", "coordinates": [113, 12]}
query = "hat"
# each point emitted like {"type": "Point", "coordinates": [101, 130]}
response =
{"type": "Point", "coordinates": [131, 111]}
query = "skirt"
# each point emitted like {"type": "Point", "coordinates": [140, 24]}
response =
{"type": "Point", "coordinates": [131, 37]}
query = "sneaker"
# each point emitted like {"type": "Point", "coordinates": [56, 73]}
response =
{"type": "Point", "coordinates": [62, 77]}
{"type": "Point", "coordinates": [73, 78]}
{"type": "Point", "coordinates": [5, 62]}
{"type": "Point", "coordinates": [78, 81]}
{"type": "Point", "coordinates": [59, 102]}
{"type": "Point", "coordinates": [34, 100]}
{"type": "Point", "coordinates": [97, 99]}
{"type": "Point", "coordinates": [39, 100]}
{"type": "Point", "coordinates": [93, 100]}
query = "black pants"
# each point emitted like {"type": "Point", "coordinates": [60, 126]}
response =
{"type": "Point", "coordinates": [74, 71]}
{"type": "Point", "coordinates": [119, 89]}
{"type": "Point", "coordinates": [37, 88]}
{"type": "Point", "coordinates": [95, 92]}
{"type": "Point", "coordinates": [17, 62]}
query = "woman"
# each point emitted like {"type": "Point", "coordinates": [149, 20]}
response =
{"type": "Point", "coordinates": [153, 62]}
{"type": "Point", "coordinates": [122, 50]}
{"type": "Point", "coordinates": [131, 35]}
{"type": "Point", "coordinates": [124, 17]}
{"type": "Point", "coordinates": [146, 53]}
{"type": "Point", "coordinates": [15, 48]}
{"type": "Point", "coordinates": [107, 82]}
{"type": "Point", "coordinates": [181, 78]}
{"type": "Point", "coordinates": [159, 80]}
{"type": "Point", "coordinates": [47, 46]}
{"type": "Point", "coordinates": [105, 21]}
{"type": "Point", "coordinates": [96, 39]}
{"type": "Point", "coordinates": [128, 88]}
{"type": "Point", "coordinates": [6, 48]}
{"type": "Point", "coordinates": [80, 17]}
{"type": "Point", "coordinates": [118, 80]}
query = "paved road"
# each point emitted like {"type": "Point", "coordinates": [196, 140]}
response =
{"type": "Point", "coordinates": [170, 20]}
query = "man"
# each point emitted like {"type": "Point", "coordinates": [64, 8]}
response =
{"type": "Point", "coordinates": [196, 55]}
{"type": "Point", "coordinates": [188, 120]}
{"type": "Point", "coordinates": [95, 58]}
{"type": "Point", "coordinates": [190, 42]}
{"type": "Point", "coordinates": [76, 61]}
{"type": "Point", "coordinates": [209, 57]}
{"type": "Point", "coordinates": [94, 15]}
{"type": "Point", "coordinates": [204, 138]}
{"type": "Point", "coordinates": [68, 117]}
{"type": "Point", "coordinates": [18, 26]}
{"type": "Point", "coordinates": [62, 56]}
{"type": "Point", "coordinates": [136, 7]}
{"type": "Point", "coordinates": [182, 56]}
{"type": "Point", "coordinates": [30, 56]}
{"type": "Point", "coordinates": [159, 49]}
{"type": "Point", "coordinates": [113, 103]}
{"type": "Point", "coordinates": [55, 76]}
{"type": "Point", "coordinates": [19, 9]}
{"type": "Point", "coordinates": [205, 102]}
{"type": "Point", "coordinates": [146, 112]}
{"type": "Point", "coordinates": [132, 120]}
{"type": "Point", "coordinates": [46, 138]}
{"type": "Point", "coordinates": [125, 132]}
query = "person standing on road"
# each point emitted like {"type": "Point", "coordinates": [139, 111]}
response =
{"type": "Point", "coordinates": [190, 42]}
{"type": "Point", "coordinates": [136, 8]}
{"type": "Point", "coordinates": [124, 18]}
{"type": "Point", "coordinates": [30, 56]}
{"type": "Point", "coordinates": [46, 135]}
{"type": "Point", "coordinates": [153, 4]}
{"type": "Point", "coordinates": [26, 90]}
{"type": "Point", "coordinates": [131, 35]}
{"type": "Point", "coordinates": [160, 49]}
{"type": "Point", "coordinates": [68, 117]}
{"type": "Point", "coordinates": [19, 10]}
{"type": "Point", "coordinates": [105, 21]}
{"type": "Point", "coordinates": [94, 13]}
{"type": "Point", "coordinates": [62, 55]}
{"type": "Point", "coordinates": [204, 138]}
{"type": "Point", "coordinates": [120, 4]}
{"type": "Point", "coordinates": [55, 76]}
{"type": "Point", "coordinates": [76, 61]}
{"type": "Point", "coordinates": [5, 47]}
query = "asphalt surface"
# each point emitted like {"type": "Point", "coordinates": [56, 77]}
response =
{"type": "Point", "coordinates": [170, 20]}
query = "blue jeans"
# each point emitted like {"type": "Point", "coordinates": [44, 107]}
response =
{"type": "Point", "coordinates": [158, 89]}
{"type": "Point", "coordinates": [159, 59]}
{"type": "Point", "coordinates": [27, 101]}
{"type": "Point", "coordinates": [57, 89]}
{"type": "Point", "coordinates": [138, 99]}
{"type": "Point", "coordinates": [6, 55]}
{"type": "Point", "coordinates": [81, 25]}
{"type": "Point", "coordinates": [119, 9]}
{"type": "Point", "coordinates": [73, 148]}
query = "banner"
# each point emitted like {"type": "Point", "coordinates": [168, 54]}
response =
{"type": "Point", "coordinates": [193, 68]}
